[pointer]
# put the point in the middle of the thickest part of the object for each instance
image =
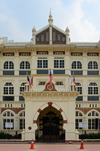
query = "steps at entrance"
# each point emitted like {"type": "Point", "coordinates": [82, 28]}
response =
{"type": "Point", "coordinates": [50, 138]}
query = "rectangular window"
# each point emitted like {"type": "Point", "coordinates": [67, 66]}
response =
{"type": "Point", "coordinates": [76, 72]}
{"type": "Point", "coordinates": [76, 54]}
{"type": "Point", "coordinates": [42, 83]}
{"type": "Point", "coordinates": [93, 98]}
{"type": "Point", "coordinates": [90, 90]}
{"type": "Point", "coordinates": [79, 89]}
{"type": "Point", "coordinates": [92, 72]}
{"type": "Point", "coordinates": [11, 90]}
{"type": "Point", "coordinates": [91, 123]}
{"type": "Point", "coordinates": [22, 123]}
{"type": "Point", "coordinates": [42, 63]}
{"type": "Point", "coordinates": [10, 124]}
{"type": "Point", "coordinates": [59, 83]}
{"type": "Point", "coordinates": [21, 89]}
{"type": "Point", "coordinates": [8, 98]}
{"type": "Point", "coordinates": [79, 98]}
{"type": "Point", "coordinates": [58, 63]}
{"type": "Point", "coordinates": [8, 72]}
{"type": "Point", "coordinates": [45, 63]}
{"type": "Point", "coordinates": [95, 90]}
{"type": "Point", "coordinates": [24, 54]}
{"type": "Point", "coordinates": [58, 71]}
{"type": "Point", "coordinates": [61, 63]}
{"type": "Point", "coordinates": [77, 123]}
{"type": "Point", "coordinates": [39, 64]}
{"type": "Point", "coordinates": [5, 90]}
{"type": "Point", "coordinates": [92, 54]}
{"type": "Point", "coordinates": [42, 71]}
{"type": "Point", "coordinates": [21, 98]}
{"type": "Point", "coordinates": [25, 72]}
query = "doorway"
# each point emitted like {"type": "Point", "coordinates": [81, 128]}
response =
{"type": "Point", "coordinates": [50, 126]}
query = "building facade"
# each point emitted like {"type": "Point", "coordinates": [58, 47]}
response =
{"type": "Point", "coordinates": [71, 104]}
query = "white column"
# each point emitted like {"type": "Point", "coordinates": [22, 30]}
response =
{"type": "Point", "coordinates": [50, 33]}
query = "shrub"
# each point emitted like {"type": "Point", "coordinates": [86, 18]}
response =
{"type": "Point", "coordinates": [90, 136]}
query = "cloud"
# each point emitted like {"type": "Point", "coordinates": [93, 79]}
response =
{"type": "Point", "coordinates": [81, 29]}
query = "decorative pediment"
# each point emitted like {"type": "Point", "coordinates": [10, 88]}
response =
{"type": "Point", "coordinates": [50, 34]}
{"type": "Point", "coordinates": [50, 87]}
{"type": "Point", "coordinates": [43, 37]}
{"type": "Point", "coordinates": [58, 36]}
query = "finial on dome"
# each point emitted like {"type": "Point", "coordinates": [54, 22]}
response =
{"type": "Point", "coordinates": [67, 29]}
{"type": "Point", "coordinates": [50, 20]}
{"type": "Point", "coordinates": [67, 35]}
{"type": "Point", "coordinates": [34, 29]}
{"type": "Point", "coordinates": [50, 12]}
{"type": "Point", "coordinates": [1, 41]}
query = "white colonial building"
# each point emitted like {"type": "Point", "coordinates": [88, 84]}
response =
{"type": "Point", "coordinates": [50, 112]}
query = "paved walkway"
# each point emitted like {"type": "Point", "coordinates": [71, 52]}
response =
{"type": "Point", "coordinates": [49, 147]}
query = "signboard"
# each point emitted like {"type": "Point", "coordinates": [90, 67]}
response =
{"type": "Point", "coordinates": [8, 125]}
{"type": "Point", "coordinates": [82, 124]}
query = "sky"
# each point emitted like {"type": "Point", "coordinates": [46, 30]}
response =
{"type": "Point", "coordinates": [18, 17]}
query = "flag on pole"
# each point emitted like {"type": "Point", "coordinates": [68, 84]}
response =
{"type": "Point", "coordinates": [28, 79]}
{"type": "Point", "coordinates": [32, 80]}
{"type": "Point", "coordinates": [51, 77]}
{"type": "Point", "coordinates": [74, 81]}
{"type": "Point", "coordinates": [70, 77]}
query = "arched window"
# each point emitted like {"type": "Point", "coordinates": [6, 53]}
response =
{"type": "Point", "coordinates": [93, 88]}
{"type": "Point", "coordinates": [93, 120]}
{"type": "Point", "coordinates": [78, 113]}
{"type": "Point", "coordinates": [8, 120]}
{"type": "Point", "coordinates": [76, 65]}
{"type": "Point", "coordinates": [93, 113]}
{"type": "Point", "coordinates": [22, 120]}
{"type": "Point", "coordinates": [92, 65]}
{"type": "Point", "coordinates": [22, 86]}
{"type": "Point", "coordinates": [78, 119]}
{"type": "Point", "coordinates": [79, 87]}
{"type": "Point", "coordinates": [8, 65]}
{"type": "Point", "coordinates": [8, 88]}
{"type": "Point", "coordinates": [24, 65]}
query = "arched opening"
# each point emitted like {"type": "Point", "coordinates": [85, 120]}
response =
{"type": "Point", "coordinates": [50, 126]}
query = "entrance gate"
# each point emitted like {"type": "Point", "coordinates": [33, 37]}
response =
{"type": "Point", "coordinates": [50, 126]}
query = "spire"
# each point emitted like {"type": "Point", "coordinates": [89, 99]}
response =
{"type": "Point", "coordinates": [34, 29]}
{"type": "Point", "coordinates": [67, 35]}
{"type": "Point", "coordinates": [50, 12]}
{"type": "Point", "coordinates": [50, 20]}
{"type": "Point", "coordinates": [67, 30]}
{"type": "Point", "coordinates": [1, 41]}
{"type": "Point", "coordinates": [34, 35]}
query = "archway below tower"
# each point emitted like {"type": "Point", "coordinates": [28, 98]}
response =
{"type": "Point", "coordinates": [50, 126]}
